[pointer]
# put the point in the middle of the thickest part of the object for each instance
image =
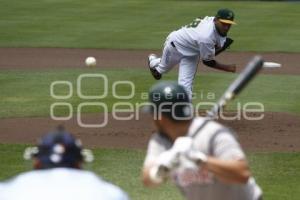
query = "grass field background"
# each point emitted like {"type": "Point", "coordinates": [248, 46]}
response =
{"type": "Point", "coordinates": [22, 95]}
{"type": "Point", "coordinates": [142, 24]}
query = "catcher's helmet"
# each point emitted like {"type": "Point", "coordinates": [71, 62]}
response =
{"type": "Point", "coordinates": [169, 99]}
{"type": "Point", "coordinates": [58, 149]}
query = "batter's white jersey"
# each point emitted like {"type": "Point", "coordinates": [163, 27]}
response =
{"type": "Point", "coordinates": [59, 184]}
{"type": "Point", "coordinates": [214, 140]}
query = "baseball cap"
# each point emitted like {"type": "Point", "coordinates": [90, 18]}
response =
{"type": "Point", "coordinates": [225, 16]}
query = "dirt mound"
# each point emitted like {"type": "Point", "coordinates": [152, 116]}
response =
{"type": "Point", "coordinates": [23, 58]}
{"type": "Point", "coordinates": [276, 132]}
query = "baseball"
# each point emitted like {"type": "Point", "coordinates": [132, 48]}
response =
{"type": "Point", "coordinates": [90, 62]}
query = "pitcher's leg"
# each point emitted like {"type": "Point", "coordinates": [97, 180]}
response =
{"type": "Point", "coordinates": [187, 71]}
{"type": "Point", "coordinates": [153, 62]}
{"type": "Point", "coordinates": [170, 57]}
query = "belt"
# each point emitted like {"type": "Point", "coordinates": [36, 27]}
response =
{"type": "Point", "coordinates": [173, 45]}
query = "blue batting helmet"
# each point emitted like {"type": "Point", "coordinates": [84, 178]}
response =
{"type": "Point", "coordinates": [58, 149]}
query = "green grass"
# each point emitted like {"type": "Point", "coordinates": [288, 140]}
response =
{"type": "Point", "coordinates": [277, 173]}
{"type": "Point", "coordinates": [27, 93]}
{"type": "Point", "coordinates": [278, 93]}
{"type": "Point", "coordinates": [142, 24]}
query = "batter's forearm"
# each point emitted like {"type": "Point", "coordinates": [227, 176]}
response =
{"type": "Point", "coordinates": [230, 171]}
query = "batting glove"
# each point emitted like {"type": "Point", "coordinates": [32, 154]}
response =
{"type": "Point", "coordinates": [191, 160]}
{"type": "Point", "coordinates": [164, 164]}
{"type": "Point", "coordinates": [196, 156]}
{"type": "Point", "coordinates": [169, 160]}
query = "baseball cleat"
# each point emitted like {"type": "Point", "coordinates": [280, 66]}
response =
{"type": "Point", "coordinates": [151, 57]}
{"type": "Point", "coordinates": [153, 71]}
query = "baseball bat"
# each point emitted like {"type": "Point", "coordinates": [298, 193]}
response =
{"type": "Point", "coordinates": [251, 69]}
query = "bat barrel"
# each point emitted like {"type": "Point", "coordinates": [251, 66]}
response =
{"type": "Point", "coordinates": [251, 69]}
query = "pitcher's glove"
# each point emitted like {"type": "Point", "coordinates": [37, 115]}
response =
{"type": "Point", "coordinates": [226, 45]}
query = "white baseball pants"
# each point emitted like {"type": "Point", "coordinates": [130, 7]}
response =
{"type": "Point", "coordinates": [187, 65]}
